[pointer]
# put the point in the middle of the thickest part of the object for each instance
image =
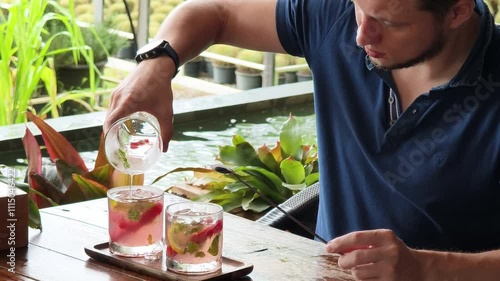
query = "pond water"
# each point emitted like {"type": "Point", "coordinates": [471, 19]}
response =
{"type": "Point", "coordinates": [195, 144]}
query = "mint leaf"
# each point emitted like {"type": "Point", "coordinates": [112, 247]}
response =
{"type": "Point", "coordinates": [192, 247]}
{"type": "Point", "coordinates": [194, 229]}
{"type": "Point", "coordinates": [123, 156]}
{"type": "Point", "coordinates": [214, 247]}
{"type": "Point", "coordinates": [200, 255]}
{"type": "Point", "coordinates": [134, 214]}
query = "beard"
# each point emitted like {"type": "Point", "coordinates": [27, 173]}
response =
{"type": "Point", "coordinates": [430, 52]}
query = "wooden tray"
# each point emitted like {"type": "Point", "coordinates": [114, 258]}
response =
{"type": "Point", "coordinates": [231, 268]}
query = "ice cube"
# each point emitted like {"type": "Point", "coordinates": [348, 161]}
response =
{"type": "Point", "coordinates": [141, 194]}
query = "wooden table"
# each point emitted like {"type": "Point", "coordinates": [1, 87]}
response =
{"type": "Point", "coordinates": [57, 253]}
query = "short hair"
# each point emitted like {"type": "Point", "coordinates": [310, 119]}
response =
{"type": "Point", "coordinates": [436, 7]}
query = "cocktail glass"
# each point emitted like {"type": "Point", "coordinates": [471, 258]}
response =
{"type": "Point", "coordinates": [136, 221]}
{"type": "Point", "coordinates": [194, 237]}
{"type": "Point", "coordinates": [133, 143]}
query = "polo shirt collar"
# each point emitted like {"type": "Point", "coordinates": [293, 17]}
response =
{"type": "Point", "coordinates": [471, 71]}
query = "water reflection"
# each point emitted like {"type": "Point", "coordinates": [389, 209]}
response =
{"type": "Point", "coordinates": [195, 144]}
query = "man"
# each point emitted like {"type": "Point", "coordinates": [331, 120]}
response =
{"type": "Point", "coordinates": [407, 99]}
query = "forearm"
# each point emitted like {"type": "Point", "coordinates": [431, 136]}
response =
{"type": "Point", "coordinates": [197, 24]}
{"type": "Point", "coordinates": [448, 266]}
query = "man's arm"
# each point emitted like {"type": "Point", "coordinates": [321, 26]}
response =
{"type": "Point", "coordinates": [197, 24]}
{"type": "Point", "coordinates": [451, 266]}
{"type": "Point", "coordinates": [191, 28]}
{"type": "Point", "coordinates": [380, 255]}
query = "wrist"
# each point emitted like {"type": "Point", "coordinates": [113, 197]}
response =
{"type": "Point", "coordinates": [433, 265]}
{"type": "Point", "coordinates": [162, 67]}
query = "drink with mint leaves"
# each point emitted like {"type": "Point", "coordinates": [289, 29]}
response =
{"type": "Point", "coordinates": [194, 237]}
{"type": "Point", "coordinates": [135, 221]}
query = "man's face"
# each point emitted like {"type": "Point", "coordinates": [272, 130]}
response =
{"type": "Point", "coordinates": [396, 34]}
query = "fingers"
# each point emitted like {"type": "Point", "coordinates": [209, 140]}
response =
{"type": "Point", "coordinates": [166, 127]}
{"type": "Point", "coordinates": [366, 272]}
{"type": "Point", "coordinates": [375, 255]}
{"type": "Point", "coordinates": [360, 240]}
{"type": "Point", "coordinates": [148, 89]}
{"type": "Point", "coordinates": [361, 257]}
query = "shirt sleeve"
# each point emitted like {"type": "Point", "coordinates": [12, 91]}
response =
{"type": "Point", "coordinates": [303, 24]}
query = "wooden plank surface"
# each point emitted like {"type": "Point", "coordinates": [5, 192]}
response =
{"type": "Point", "coordinates": [57, 253]}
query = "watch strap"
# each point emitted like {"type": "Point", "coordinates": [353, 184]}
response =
{"type": "Point", "coordinates": [163, 48]}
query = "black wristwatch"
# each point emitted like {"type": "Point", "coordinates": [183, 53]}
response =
{"type": "Point", "coordinates": [155, 49]}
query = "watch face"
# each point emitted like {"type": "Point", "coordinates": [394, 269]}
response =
{"type": "Point", "coordinates": [149, 46]}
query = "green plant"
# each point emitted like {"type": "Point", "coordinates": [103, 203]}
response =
{"type": "Point", "coordinates": [252, 56]}
{"type": "Point", "coordinates": [26, 63]}
{"type": "Point", "coordinates": [68, 180]}
{"type": "Point", "coordinates": [99, 38]}
{"type": "Point", "coordinates": [281, 60]}
{"type": "Point", "coordinates": [302, 61]}
{"type": "Point", "coordinates": [277, 172]}
{"type": "Point", "coordinates": [225, 51]}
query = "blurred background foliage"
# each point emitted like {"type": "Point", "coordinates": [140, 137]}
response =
{"type": "Point", "coordinates": [159, 10]}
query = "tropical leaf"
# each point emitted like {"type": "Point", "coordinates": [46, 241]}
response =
{"type": "Point", "coordinates": [293, 171]}
{"type": "Point", "coordinates": [48, 189]}
{"type": "Point", "coordinates": [57, 146]}
{"type": "Point", "coordinates": [33, 152]}
{"type": "Point", "coordinates": [266, 157]}
{"type": "Point", "coordinates": [210, 196]}
{"type": "Point", "coordinates": [66, 171]}
{"type": "Point", "coordinates": [227, 200]}
{"type": "Point", "coordinates": [34, 157]}
{"type": "Point", "coordinates": [275, 174]}
{"type": "Point", "coordinates": [312, 178]}
{"type": "Point", "coordinates": [258, 205]}
{"type": "Point", "coordinates": [276, 152]}
{"type": "Point", "coordinates": [101, 174]}
{"type": "Point", "coordinates": [101, 159]}
{"type": "Point", "coordinates": [273, 181]}
{"type": "Point", "coordinates": [266, 183]}
{"type": "Point", "coordinates": [83, 189]}
{"type": "Point", "coordinates": [247, 200]}
{"type": "Point", "coordinates": [241, 154]}
{"type": "Point", "coordinates": [290, 138]}
{"type": "Point", "coordinates": [209, 183]}
{"type": "Point", "coordinates": [184, 169]}
{"type": "Point", "coordinates": [234, 187]}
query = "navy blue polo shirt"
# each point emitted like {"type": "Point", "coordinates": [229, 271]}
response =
{"type": "Point", "coordinates": [433, 177]}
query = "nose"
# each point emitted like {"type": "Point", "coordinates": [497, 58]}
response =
{"type": "Point", "coordinates": [369, 32]}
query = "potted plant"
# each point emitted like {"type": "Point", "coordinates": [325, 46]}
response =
{"type": "Point", "coordinates": [77, 73]}
{"type": "Point", "coordinates": [277, 172]}
{"type": "Point", "coordinates": [282, 61]}
{"type": "Point", "coordinates": [194, 67]}
{"type": "Point", "coordinates": [66, 179]}
{"type": "Point", "coordinates": [249, 77]}
{"type": "Point", "coordinates": [26, 60]}
{"type": "Point", "coordinates": [223, 71]}
{"type": "Point", "coordinates": [305, 73]}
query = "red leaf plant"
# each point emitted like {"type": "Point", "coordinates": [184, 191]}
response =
{"type": "Point", "coordinates": [74, 181]}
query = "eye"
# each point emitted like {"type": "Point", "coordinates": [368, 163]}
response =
{"type": "Point", "coordinates": [391, 24]}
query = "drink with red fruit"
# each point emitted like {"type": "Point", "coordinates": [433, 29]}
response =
{"type": "Point", "coordinates": [135, 220]}
{"type": "Point", "coordinates": [194, 237]}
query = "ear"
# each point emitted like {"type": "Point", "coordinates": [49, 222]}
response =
{"type": "Point", "coordinates": [460, 13]}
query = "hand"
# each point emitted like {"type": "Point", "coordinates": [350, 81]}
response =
{"type": "Point", "coordinates": [376, 255]}
{"type": "Point", "coordinates": [148, 88]}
